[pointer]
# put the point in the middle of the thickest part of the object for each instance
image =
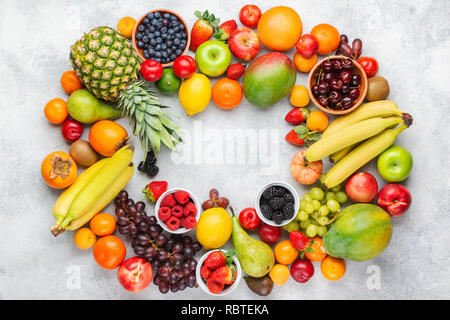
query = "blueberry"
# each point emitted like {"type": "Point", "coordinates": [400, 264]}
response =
{"type": "Point", "coordinates": [160, 24]}
{"type": "Point", "coordinates": [157, 33]}
{"type": "Point", "coordinates": [139, 36]}
{"type": "Point", "coordinates": [178, 35]}
{"type": "Point", "coordinates": [140, 44]}
{"type": "Point", "coordinates": [145, 39]}
{"type": "Point", "coordinates": [171, 31]}
{"type": "Point", "coordinates": [183, 36]}
{"type": "Point", "coordinates": [163, 29]}
{"type": "Point", "coordinates": [174, 23]}
{"type": "Point", "coordinates": [153, 42]}
{"type": "Point", "coordinates": [163, 46]}
{"type": "Point", "coordinates": [145, 21]}
{"type": "Point", "coordinates": [178, 52]}
{"type": "Point", "coordinates": [141, 27]}
{"type": "Point", "coordinates": [158, 47]}
{"type": "Point", "coordinates": [164, 54]}
{"type": "Point", "coordinates": [165, 22]}
{"type": "Point", "coordinates": [158, 54]}
{"type": "Point", "coordinates": [147, 55]}
{"type": "Point", "coordinates": [154, 22]}
{"type": "Point", "coordinates": [169, 43]}
{"type": "Point", "coordinates": [181, 26]}
{"type": "Point", "coordinates": [173, 18]}
{"type": "Point", "coordinates": [158, 60]}
{"type": "Point", "coordinates": [152, 29]}
{"type": "Point", "coordinates": [176, 41]}
{"type": "Point", "coordinates": [157, 15]}
{"type": "Point", "coordinates": [166, 15]}
{"type": "Point", "coordinates": [173, 56]}
{"type": "Point", "coordinates": [169, 50]}
{"type": "Point", "coordinates": [164, 36]}
{"type": "Point", "coordinates": [150, 16]}
{"type": "Point", "coordinates": [176, 28]}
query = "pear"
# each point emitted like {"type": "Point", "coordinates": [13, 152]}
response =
{"type": "Point", "coordinates": [256, 257]}
{"type": "Point", "coordinates": [84, 107]}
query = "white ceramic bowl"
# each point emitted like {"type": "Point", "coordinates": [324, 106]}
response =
{"type": "Point", "coordinates": [202, 284]}
{"type": "Point", "coordinates": [296, 203]}
{"type": "Point", "coordinates": [163, 224]}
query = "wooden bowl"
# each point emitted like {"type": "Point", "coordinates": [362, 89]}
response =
{"type": "Point", "coordinates": [362, 92]}
{"type": "Point", "coordinates": [135, 31]}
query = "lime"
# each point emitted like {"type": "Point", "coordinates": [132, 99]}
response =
{"type": "Point", "coordinates": [169, 82]}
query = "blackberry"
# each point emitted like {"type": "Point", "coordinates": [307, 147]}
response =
{"type": "Point", "coordinates": [152, 171]}
{"type": "Point", "coordinates": [277, 217]}
{"type": "Point", "coordinates": [288, 197]}
{"type": "Point", "coordinates": [280, 191]}
{"type": "Point", "coordinates": [268, 193]}
{"type": "Point", "coordinates": [266, 211]}
{"type": "Point", "coordinates": [276, 203]}
{"type": "Point", "coordinates": [288, 210]}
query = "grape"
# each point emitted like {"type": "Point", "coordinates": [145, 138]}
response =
{"type": "Point", "coordinates": [123, 221]}
{"type": "Point", "coordinates": [324, 211]}
{"type": "Point", "coordinates": [177, 265]}
{"type": "Point", "coordinates": [336, 188]}
{"type": "Point", "coordinates": [186, 240]}
{"type": "Point", "coordinates": [321, 231]}
{"type": "Point", "coordinates": [178, 257]}
{"type": "Point", "coordinates": [304, 224]}
{"type": "Point", "coordinates": [151, 220]}
{"type": "Point", "coordinates": [311, 230]}
{"type": "Point", "coordinates": [163, 286]}
{"type": "Point", "coordinates": [140, 206]}
{"type": "Point", "coordinates": [156, 280]}
{"type": "Point", "coordinates": [177, 248]}
{"type": "Point", "coordinates": [124, 229]}
{"type": "Point", "coordinates": [317, 193]}
{"type": "Point", "coordinates": [333, 205]}
{"type": "Point", "coordinates": [143, 227]}
{"type": "Point", "coordinates": [191, 280]}
{"type": "Point", "coordinates": [309, 208]}
{"type": "Point", "coordinates": [164, 272]}
{"type": "Point", "coordinates": [324, 220]}
{"type": "Point", "coordinates": [188, 252]}
{"type": "Point", "coordinates": [291, 226]}
{"type": "Point", "coordinates": [129, 203]}
{"type": "Point", "coordinates": [322, 178]}
{"type": "Point", "coordinates": [162, 255]}
{"type": "Point", "coordinates": [132, 211]}
{"type": "Point", "coordinates": [330, 195]}
{"type": "Point", "coordinates": [192, 265]}
{"type": "Point", "coordinates": [120, 212]}
{"type": "Point", "coordinates": [160, 240]}
{"type": "Point", "coordinates": [302, 204]}
{"type": "Point", "coordinates": [341, 197]}
{"type": "Point", "coordinates": [139, 250]}
{"type": "Point", "coordinates": [150, 252]}
{"type": "Point", "coordinates": [302, 216]}
{"type": "Point", "coordinates": [182, 284]}
{"type": "Point", "coordinates": [196, 246]}
{"type": "Point", "coordinates": [316, 204]}
{"type": "Point", "coordinates": [123, 196]}
{"type": "Point", "coordinates": [174, 287]}
{"type": "Point", "coordinates": [307, 197]}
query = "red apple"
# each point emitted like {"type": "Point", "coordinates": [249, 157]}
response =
{"type": "Point", "coordinates": [302, 270]}
{"type": "Point", "coordinates": [250, 15]}
{"type": "Point", "coordinates": [269, 234]}
{"type": "Point", "coordinates": [307, 46]}
{"type": "Point", "coordinates": [244, 43]}
{"type": "Point", "coordinates": [135, 274]}
{"type": "Point", "coordinates": [394, 198]}
{"type": "Point", "coordinates": [362, 187]}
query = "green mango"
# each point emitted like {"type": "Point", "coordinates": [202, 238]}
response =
{"type": "Point", "coordinates": [256, 257]}
{"type": "Point", "coordinates": [361, 232]}
{"type": "Point", "coordinates": [84, 107]}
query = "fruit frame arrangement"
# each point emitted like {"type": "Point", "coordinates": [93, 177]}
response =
{"type": "Point", "coordinates": [121, 71]}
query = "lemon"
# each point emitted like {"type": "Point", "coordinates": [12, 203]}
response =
{"type": "Point", "coordinates": [213, 228]}
{"type": "Point", "coordinates": [195, 93]}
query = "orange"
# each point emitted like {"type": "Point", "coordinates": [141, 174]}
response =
{"type": "Point", "coordinates": [125, 26]}
{"type": "Point", "coordinates": [285, 253]}
{"type": "Point", "coordinates": [299, 96]}
{"type": "Point", "coordinates": [109, 252]}
{"type": "Point", "coordinates": [279, 274]}
{"type": "Point", "coordinates": [317, 121]}
{"type": "Point", "coordinates": [333, 268]}
{"type": "Point", "coordinates": [280, 28]}
{"type": "Point", "coordinates": [84, 238]}
{"type": "Point", "coordinates": [304, 64]}
{"type": "Point", "coordinates": [318, 252]}
{"type": "Point", "coordinates": [328, 38]}
{"type": "Point", "coordinates": [106, 137]}
{"type": "Point", "coordinates": [70, 82]}
{"type": "Point", "coordinates": [103, 224]}
{"type": "Point", "coordinates": [227, 93]}
{"type": "Point", "coordinates": [56, 111]}
{"type": "Point", "coordinates": [59, 170]}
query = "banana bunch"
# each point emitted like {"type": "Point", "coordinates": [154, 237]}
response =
{"type": "Point", "coordinates": [355, 139]}
{"type": "Point", "coordinates": [93, 190]}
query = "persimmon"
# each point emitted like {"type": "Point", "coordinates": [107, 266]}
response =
{"type": "Point", "coordinates": [109, 252]}
{"type": "Point", "coordinates": [106, 137]}
{"type": "Point", "coordinates": [304, 64]}
{"type": "Point", "coordinates": [59, 170]}
{"type": "Point", "coordinates": [70, 82]}
{"type": "Point", "coordinates": [317, 121]}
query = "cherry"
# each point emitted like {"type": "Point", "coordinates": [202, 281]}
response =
{"type": "Point", "coordinates": [356, 80]}
{"type": "Point", "coordinates": [324, 88]}
{"type": "Point", "coordinates": [345, 76]}
{"type": "Point", "coordinates": [336, 84]}
{"type": "Point", "coordinates": [323, 100]}
{"type": "Point", "coordinates": [347, 102]}
{"type": "Point", "coordinates": [327, 65]}
{"type": "Point", "coordinates": [315, 90]}
{"type": "Point", "coordinates": [354, 93]}
{"type": "Point", "coordinates": [347, 64]}
{"type": "Point", "coordinates": [337, 65]}
{"type": "Point", "coordinates": [345, 89]}
{"type": "Point", "coordinates": [327, 77]}
{"type": "Point", "coordinates": [335, 96]}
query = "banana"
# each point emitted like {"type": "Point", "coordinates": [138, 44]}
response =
{"type": "Point", "coordinates": [335, 157]}
{"type": "Point", "coordinates": [104, 199]}
{"type": "Point", "coordinates": [64, 201]}
{"type": "Point", "coordinates": [352, 134]}
{"type": "Point", "coordinates": [382, 108]}
{"type": "Point", "coordinates": [360, 156]}
{"type": "Point", "coordinates": [84, 200]}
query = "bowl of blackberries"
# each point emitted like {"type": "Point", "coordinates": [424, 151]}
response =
{"type": "Point", "coordinates": [337, 85]}
{"type": "Point", "coordinates": [277, 203]}
{"type": "Point", "coordinates": [161, 35]}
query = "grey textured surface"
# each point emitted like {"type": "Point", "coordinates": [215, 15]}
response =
{"type": "Point", "coordinates": [410, 39]}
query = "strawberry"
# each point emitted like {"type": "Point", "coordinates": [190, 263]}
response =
{"type": "Point", "coordinates": [214, 287]}
{"type": "Point", "coordinates": [205, 272]}
{"type": "Point", "coordinates": [224, 275]}
{"type": "Point", "coordinates": [225, 30]}
{"type": "Point", "coordinates": [235, 70]}
{"type": "Point", "coordinates": [299, 240]}
{"type": "Point", "coordinates": [154, 190]}
{"type": "Point", "coordinates": [301, 135]}
{"type": "Point", "coordinates": [181, 196]}
{"type": "Point", "coordinates": [203, 28]}
{"type": "Point", "coordinates": [297, 115]}
{"type": "Point", "coordinates": [168, 201]}
{"type": "Point", "coordinates": [217, 259]}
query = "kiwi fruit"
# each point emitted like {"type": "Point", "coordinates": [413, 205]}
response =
{"type": "Point", "coordinates": [83, 154]}
{"type": "Point", "coordinates": [377, 88]}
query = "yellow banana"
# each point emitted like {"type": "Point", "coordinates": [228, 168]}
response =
{"type": "Point", "coordinates": [335, 157]}
{"type": "Point", "coordinates": [382, 108]}
{"type": "Point", "coordinates": [99, 184]}
{"type": "Point", "coordinates": [64, 201]}
{"type": "Point", "coordinates": [104, 199]}
{"type": "Point", "coordinates": [352, 134]}
{"type": "Point", "coordinates": [360, 156]}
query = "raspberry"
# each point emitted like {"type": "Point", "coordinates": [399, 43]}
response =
{"type": "Point", "coordinates": [173, 223]}
{"type": "Point", "coordinates": [181, 196]}
{"type": "Point", "coordinates": [189, 222]}
{"type": "Point", "coordinates": [177, 211]}
{"type": "Point", "coordinates": [190, 209]}
{"type": "Point", "coordinates": [168, 201]}
{"type": "Point", "coordinates": [164, 213]}
{"type": "Point", "coordinates": [205, 272]}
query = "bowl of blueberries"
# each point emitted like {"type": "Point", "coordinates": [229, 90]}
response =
{"type": "Point", "coordinates": [337, 85]}
{"type": "Point", "coordinates": [161, 35]}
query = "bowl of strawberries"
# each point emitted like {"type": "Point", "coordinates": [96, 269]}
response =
{"type": "Point", "coordinates": [218, 272]}
{"type": "Point", "coordinates": [177, 211]}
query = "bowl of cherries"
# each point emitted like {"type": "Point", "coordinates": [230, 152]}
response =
{"type": "Point", "coordinates": [337, 85]}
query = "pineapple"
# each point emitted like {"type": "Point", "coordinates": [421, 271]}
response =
{"type": "Point", "coordinates": [107, 65]}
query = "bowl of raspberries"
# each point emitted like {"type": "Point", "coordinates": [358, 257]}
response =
{"type": "Point", "coordinates": [177, 211]}
{"type": "Point", "coordinates": [277, 203]}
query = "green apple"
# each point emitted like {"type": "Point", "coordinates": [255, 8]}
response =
{"type": "Point", "coordinates": [213, 58]}
{"type": "Point", "coordinates": [395, 164]}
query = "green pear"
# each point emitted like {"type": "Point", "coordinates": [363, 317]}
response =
{"type": "Point", "coordinates": [84, 107]}
{"type": "Point", "coordinates": [256, 257]}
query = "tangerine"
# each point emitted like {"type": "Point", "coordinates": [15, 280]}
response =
{"type": "Point", "coordinates": [304, 64]}
{"type": "Point", "coordinates": [327, 36]}
{"type": "Point", "coordinates": [227, 93]}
